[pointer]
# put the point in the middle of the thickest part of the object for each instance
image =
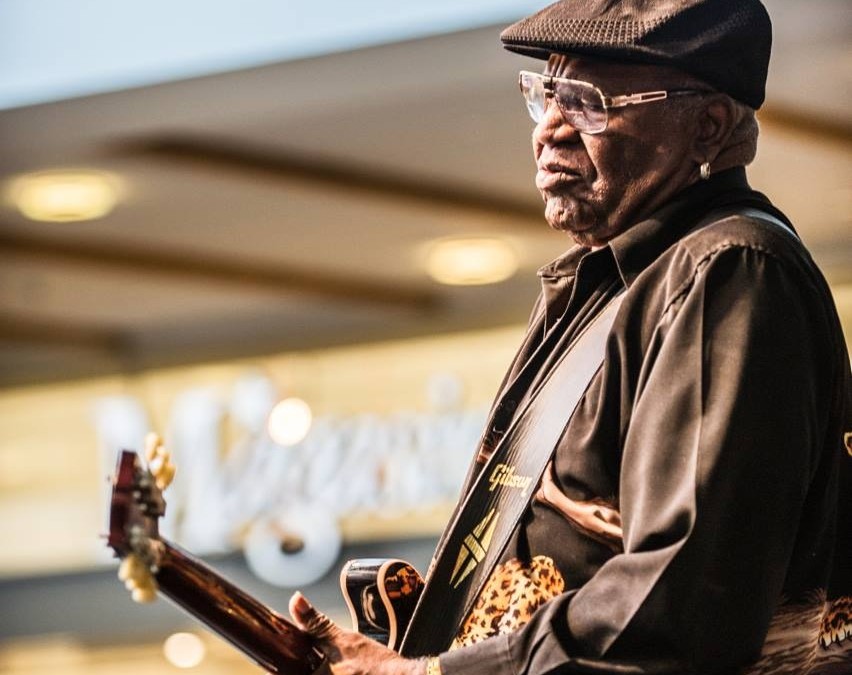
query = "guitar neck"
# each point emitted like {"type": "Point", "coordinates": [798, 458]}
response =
{"type": "Point", "coordinates": [266, 637]}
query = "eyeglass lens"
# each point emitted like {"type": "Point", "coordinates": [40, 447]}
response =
{"type": "Point", "coordinates": [580, 103]}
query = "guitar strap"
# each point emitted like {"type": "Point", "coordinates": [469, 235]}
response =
{"type": "Point", "coordinates": [501, 492]}
{"type": "Point", "coordinates": [482, 526]}
{"type": "Point", "coordinates": [759, 214]}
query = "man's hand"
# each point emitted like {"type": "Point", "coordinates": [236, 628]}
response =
{"type": "Point", "coordinates": [350, 653]}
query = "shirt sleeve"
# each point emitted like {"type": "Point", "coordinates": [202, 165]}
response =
{"type": "Point", "coordinates": [726, 433]}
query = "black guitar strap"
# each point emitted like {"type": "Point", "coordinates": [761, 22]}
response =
{"type": "Point", "coordinates": [500, 494]}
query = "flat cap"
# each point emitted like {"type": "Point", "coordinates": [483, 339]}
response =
{"type": "Point", "coordinates": [725, 43]}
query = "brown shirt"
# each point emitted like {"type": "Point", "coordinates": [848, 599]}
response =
{"type": "Point", "coordinates": [714, 431]}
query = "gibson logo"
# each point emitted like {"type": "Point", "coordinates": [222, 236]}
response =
{"type": "Point", "coordinates": [504, 474]}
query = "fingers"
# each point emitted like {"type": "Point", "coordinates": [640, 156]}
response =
{"type": "Point", "coordinates": [348, 653]}
{"type": "Point", "coordinates": [310, 619]}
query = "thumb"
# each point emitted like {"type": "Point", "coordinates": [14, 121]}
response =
{"type": "Point", "coordinates": [310, 619]}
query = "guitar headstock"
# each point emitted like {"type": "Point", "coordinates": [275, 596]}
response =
{"type": "Point", "coordinates": [136, 505]}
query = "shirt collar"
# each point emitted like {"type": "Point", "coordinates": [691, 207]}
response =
{"type": "Point", "coordinates": [566, 264]}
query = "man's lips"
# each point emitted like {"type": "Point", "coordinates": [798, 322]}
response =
{"type": "Point", "coordinates": [551, 176]}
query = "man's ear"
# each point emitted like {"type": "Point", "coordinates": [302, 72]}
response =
{"type": "Point", "coordinates": [717, 119]}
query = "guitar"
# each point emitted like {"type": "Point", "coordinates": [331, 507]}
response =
{"type": "Point", "coordinates": [380, 594]}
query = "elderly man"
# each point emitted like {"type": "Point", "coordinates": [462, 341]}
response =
{"type": "Point", "coordinates": [686, 519]}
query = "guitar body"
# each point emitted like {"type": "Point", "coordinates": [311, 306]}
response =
{"type": "Point", "coordinates": [381, 595]}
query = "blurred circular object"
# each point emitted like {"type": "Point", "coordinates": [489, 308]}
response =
{"type": "Point", "coordinates": [184, 650]}
{"type": "Point", "coordinates": [295, 548]}
{"type": "Point", "coordinates": [63, 196]}
{"type": "Point", "coordinates": [471, 261]}
{"type": "Point", "coordinates": [289, 421]}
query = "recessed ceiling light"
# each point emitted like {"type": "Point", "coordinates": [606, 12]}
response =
{"type": "Point", "coordinates": [471, 261]}
{"type": "Point", "coordinates": [64, 196]}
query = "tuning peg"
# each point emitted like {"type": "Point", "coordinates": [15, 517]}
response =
{"type": "Point", "coordinates": [159, 461]}
{"type": "Point", "coordinates": [137, 579]}
{"type": "Point", "coordinates": [153, 443]}
{"type": "Point", "coordinates": [144, 590]}
{"type": "Point", "coordinates": [144, 595]}
{"type": "Point", "coordinates": [165, 477]}
{"type": "Point", "coordinates": [131, 567]}
{"type": "Point", "coordinates": [162, 469]}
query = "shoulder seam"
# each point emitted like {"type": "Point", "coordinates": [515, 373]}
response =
{"type": "Point", "coordinates": [704, 260]}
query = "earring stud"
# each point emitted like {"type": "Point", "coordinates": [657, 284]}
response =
{"type": "Point", "coordinates": [704, 170]}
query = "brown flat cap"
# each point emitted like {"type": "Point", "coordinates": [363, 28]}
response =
{"type": "Point", "coordinates": [725, 43]}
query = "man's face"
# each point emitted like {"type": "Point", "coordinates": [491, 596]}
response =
{"type": "Point", "coordinates": [595, 186]}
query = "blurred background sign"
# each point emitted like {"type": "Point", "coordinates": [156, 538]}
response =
{"type": "Point", "coordinates": [211, 207]}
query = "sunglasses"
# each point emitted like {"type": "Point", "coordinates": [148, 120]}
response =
{"type": "Point", "coordinates": [582, 104]}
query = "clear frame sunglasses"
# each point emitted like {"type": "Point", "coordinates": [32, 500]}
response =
{"type": "Point", "coordinates": [582, 104]}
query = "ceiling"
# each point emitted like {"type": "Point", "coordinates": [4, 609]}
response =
{"type": "Point", "coordinates": [288, 206]}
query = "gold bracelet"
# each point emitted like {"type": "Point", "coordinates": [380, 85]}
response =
{"type": "Point", "coordinates": [433, 666]}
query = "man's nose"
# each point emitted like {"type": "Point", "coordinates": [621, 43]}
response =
{"type": "Point", "coordinates": [553, 128]}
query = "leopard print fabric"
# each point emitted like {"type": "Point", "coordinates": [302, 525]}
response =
{"type": "Point", "coordinates": [514, 591]}
{"type": "Point", "coordinates": [809, 637]}
{"type": "Point", "coordinates": [836, 623]}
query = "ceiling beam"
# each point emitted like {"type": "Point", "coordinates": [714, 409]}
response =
{"type": "Point", "coordinates": [195, 266]}
{"type": "Point", "coordinates": [19, 328]}
{"type": "Point", "coordinates": [332, 173]}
